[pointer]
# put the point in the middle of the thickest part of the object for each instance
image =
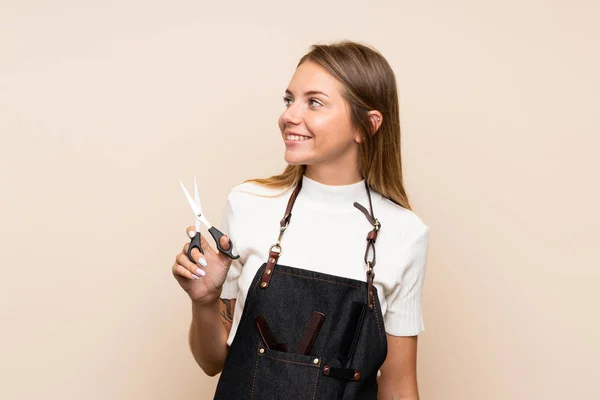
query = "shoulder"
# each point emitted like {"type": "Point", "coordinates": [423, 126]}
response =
{"type": "Point", "coordinates": [253, 190]}
{"type": "Point", "coordinates": [256, 189]}
{"type": "Point", "coordinates": [250, 195]}
{"type": "Point", "coordinates": [400, 223]}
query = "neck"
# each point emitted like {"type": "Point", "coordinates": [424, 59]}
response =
{"type": "Point", "coordinates": [333, 198]}
{"type": "Point", "coordinates": [333, 175]}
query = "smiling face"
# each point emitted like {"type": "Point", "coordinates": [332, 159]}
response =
{"type": "Point", "coordinates": [316, 124]}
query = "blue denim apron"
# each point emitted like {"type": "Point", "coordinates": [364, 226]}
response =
{"type": "Point", "coordinates": [305, 334]}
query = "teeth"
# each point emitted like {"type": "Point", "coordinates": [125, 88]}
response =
{"type": "Point", "coordinates": [297, 138]}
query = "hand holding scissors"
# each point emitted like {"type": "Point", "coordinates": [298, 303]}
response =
{"type": "Point", "coordinates": [200, 218]}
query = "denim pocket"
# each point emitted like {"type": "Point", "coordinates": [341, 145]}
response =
{"type": "Point", "coordinates": [280, 375]}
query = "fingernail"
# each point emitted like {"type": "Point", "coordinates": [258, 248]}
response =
{"type": "Point", "coordinates": [202, 261]}
{"type": "Point", "coordinates": [191, 234]}
{"type": "Point", "coordinates": [195, 277]}
{"type": "Point", "coordinates": [200, 272]}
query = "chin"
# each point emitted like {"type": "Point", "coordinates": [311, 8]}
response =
{"type": "Point", "coordinates": [295, 159]}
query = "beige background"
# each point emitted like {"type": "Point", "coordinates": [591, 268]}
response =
{"type": "Point", "coordinates": [105, 105]}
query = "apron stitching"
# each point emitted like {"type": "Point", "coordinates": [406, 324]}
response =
{"type": "Point", "coordinates": [248, 298]}
{"type": "Point", "coordinates": [316, 384]}
{"type": "Point", "coordinates": [254, 288]}
{"type": "Point", "coordinates": [289, 361]}
{"type": "Point", "coordinates": [254, 377]}
{"type": "Point", "coordinates": [318, 279]}
{"type": "Point", "coordinates": [377, 320]}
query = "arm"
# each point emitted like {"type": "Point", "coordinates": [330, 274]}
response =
{"type": "Point", "coordinates": [209, 329]}
{"type": "Point", "coordinates": [398, 380]}
{"type": "Point", "coordinates": [212, 319]}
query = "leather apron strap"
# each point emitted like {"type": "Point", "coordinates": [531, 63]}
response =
{"type": "Point", "coordinates": [275, 250]}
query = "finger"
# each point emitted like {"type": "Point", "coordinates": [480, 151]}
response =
{"type": "Point", "coordinates": [198, 257]}
{"type": "Point", "coordinates": [181, 271]}
{"type": "Point", "coordinates": [190, 231]}
{"type": "Point", "coordinates": [195, 253]}
{"type": "Point", "coordinates": [183, 260]}
{"type": "Point", "coordinates": [224, 242]}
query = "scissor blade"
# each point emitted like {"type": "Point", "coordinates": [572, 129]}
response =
{"type": "Point", "coordinates": [205, 221]}
{"type": "Point", "coordinates": [197, 201]}
{"type": "Point", "coordinates": [193, 204]}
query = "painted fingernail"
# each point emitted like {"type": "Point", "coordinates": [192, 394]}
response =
{"type": "Point", "coordinates": [191, 234]}
{"type": "Point", "coordinates": [202, 261]}
{"type": "Point", "coordinates": [200, 272]}
{"type": "Point", "coordinates": [195, 277]}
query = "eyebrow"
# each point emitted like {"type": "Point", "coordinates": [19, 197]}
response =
{"type": "Point", "coordinates": [309, 93]}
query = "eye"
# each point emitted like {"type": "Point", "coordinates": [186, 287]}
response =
{"type": "Point", "coordinates": [287, 101]}
{"type": "Point", "coordinates": [314, 103]}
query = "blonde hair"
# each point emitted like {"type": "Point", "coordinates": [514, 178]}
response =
{"type": "Point", "coordinates": [368, 84]}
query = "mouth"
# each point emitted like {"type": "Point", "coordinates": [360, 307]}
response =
{"type": "Point", "coordinates": [294, 137]}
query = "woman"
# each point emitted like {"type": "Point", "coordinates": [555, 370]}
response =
{"type": "Point", "coordinates": [312, 310]}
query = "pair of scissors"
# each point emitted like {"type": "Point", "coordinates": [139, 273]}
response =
{"type": "Point", "coordinates": [214, 232]}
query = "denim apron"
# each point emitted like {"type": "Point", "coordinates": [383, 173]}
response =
{"type": "Point", "coordinates": [305, 334]}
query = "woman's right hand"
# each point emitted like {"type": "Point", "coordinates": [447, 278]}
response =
{"type": "Point", "coordinates": [202, 280]}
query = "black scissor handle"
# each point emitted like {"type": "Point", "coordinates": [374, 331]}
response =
{"type": "Point", "coordinates": [194, 243]}
{"type": "Point", "coordinates": [217, 234]}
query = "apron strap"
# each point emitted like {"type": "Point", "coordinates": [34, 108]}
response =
{"type": "Point", "coordinates": [288, 211]}
{"type": "Point", "coordinates": [275, 250]}
{"type": "Point", "coordinates": [371, 239]}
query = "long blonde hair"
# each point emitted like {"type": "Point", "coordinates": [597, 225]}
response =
{"type": "Point", "coordinates": [369, 84]}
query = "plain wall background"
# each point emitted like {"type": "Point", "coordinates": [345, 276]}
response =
{"type": "Point", "coordinates": [105, 105]}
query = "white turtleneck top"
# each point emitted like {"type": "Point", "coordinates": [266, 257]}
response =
{"type": "Point", "coordinates": [327, 233]}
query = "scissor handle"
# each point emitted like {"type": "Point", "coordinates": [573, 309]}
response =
{"type": "Point", "coordinates": [194, 243]}
{"type": "Point", "coordinates": [217, 234]}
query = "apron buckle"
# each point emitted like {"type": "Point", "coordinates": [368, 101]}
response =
{"type": "Point", "coordinates": [276, 245]}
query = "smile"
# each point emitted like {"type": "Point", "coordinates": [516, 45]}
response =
{"type": "Point", "coordinates": [296, 138]}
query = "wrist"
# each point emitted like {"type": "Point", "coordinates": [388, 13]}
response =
{"type": "Point", "coordinates": [206, 302]}
{"type": "Point", "coordinates": [203, 311]}
{"type": "Point", "coordinates": [208, 299]}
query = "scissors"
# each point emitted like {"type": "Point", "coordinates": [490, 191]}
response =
{"type": "Point", "coordinates": [215, 233]}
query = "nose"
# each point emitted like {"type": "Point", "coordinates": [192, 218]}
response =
{"type": "Point", "coordinates": [292, 114]}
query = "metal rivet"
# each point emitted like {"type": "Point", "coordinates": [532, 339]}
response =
{"type": "Point", "coordinates": [264, 284]}
{"type": "Point", "coordinates": [316, 360]}
{"type": "Point", "coordinates": [268, 272]}
{"type": "Point", "coordinates": [357, 376]}
{"type": "Point", "coordinates": [271, 260]}
{"type": "Point", "coordinates": [326, 370]}
{"type": "Point", "coordinates": [261, 350]}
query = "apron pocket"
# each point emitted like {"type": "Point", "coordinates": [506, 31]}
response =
{"type": "Point", "coordinates": [280, 375]}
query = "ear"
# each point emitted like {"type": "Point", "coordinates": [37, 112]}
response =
{"type": "Point", "coordinates": [376, 120]}
{"type": "Point", "coordinates": [357, 137]}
